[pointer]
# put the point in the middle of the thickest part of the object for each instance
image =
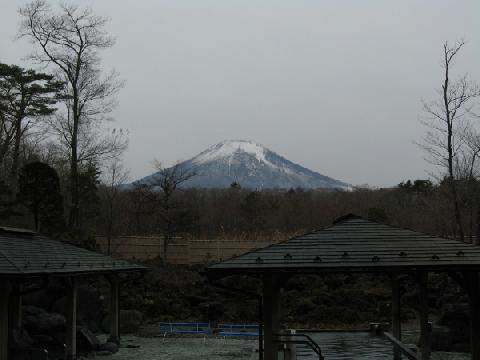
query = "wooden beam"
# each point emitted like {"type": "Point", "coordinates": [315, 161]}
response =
{"type": "Point", "coordinates": [71, 315]}
{"type": "Point", "coordinates": [271, 314]}
{"type": "Point", "coordinates": [16, 306]}
{"type": "Point", "coordinates": [401, 346]}
{"type": "Point", "coordinates": [425, 333]}
{"type": "Point", "coordinates": [4, 299]}
{"type": "Point", "coordinates": [114, 309]}
{"type": "Point", "coordinates": [472, 287]}
{"type": "Point", "coordinates": [396, 314]}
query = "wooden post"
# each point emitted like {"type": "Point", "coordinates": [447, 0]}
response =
{"type": "Point", "coordinates": [114, 309]}
{"type": "Point", "coordinates": [473, 290]}
{"type": "Point", "coordinates": [16, 306]}
{"type": "Point", "coordinates": [422, 281]}
{"type": "Point", "coordinates": [71, 315]}
{"type": "Point", "coordinates": [291, 347]}
{"type": "Point", "coordinates": [396, 315]}
{"type": "Point", "coordinates": [271, 307]}
{"type": "Point", "coordinates": [260, 328]}
{"type": "Point", "coordinates": [5, 288]}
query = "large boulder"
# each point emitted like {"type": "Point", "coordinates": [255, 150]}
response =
{"type": "Point", "coordinates": [46, 296]}
{"type": "Point", "coordinates": [43, 339]}
{"type": "Point", "coordinates": [90, 308]}
{"type": "Point", "coordinates": [38, 321]}
{"type": "Point", "coordinates": [87, 340]}
{"type": "Point", "coordinates": [109, 346]}
{"type": "Point", "coordinates": [20, 339]}
{"type": "Point", "coordinates": [39, 298]}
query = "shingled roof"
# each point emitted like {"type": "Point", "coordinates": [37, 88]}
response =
{"type": "Point", "coordinates": [354, 244]}
{"type": "Point", "coordinates": [26, 253]}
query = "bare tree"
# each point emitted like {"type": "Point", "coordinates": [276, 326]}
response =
{"type": "Point", "coordinates": [447, 116]}
{"type": "Point", "coordinates": [114, 177]}
{"type": "Point", "coordinates": [167, 181]}
{"type": "Point", "coordinates": [69, 41]}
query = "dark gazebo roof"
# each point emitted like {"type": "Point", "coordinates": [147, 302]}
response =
{"type": "Point", "coordinates": [27, 254]}
{"type": "Point", "coordinates": [354, 244]}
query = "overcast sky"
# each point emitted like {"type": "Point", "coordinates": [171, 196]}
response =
{"type": "Point", "coordinates": [335, 86]}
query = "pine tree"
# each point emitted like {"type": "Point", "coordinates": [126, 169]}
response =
{"type": "Point", "coordinates": [25, 96]}
{"type": "Point", "coordinates": [39, 192]}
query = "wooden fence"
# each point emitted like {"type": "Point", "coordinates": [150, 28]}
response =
{"type": "Point", "coordinates": [179, 251]}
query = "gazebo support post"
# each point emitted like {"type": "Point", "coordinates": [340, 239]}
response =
{"type": "Point", "coordinates": [271, 313]}
{"type": "Point", "coordinates": [396, 314]}
{"type": "Point", "coordinates": [260, 328]}
{"type": "Point", "coordinates": [472, 287]}
{"type": "Point", "coordinates": [16, 306]}
{"type": "Point", "coordinates": [422, 283]}
{"type": "Point", "coordinates": [71, 315]}
{"type": "Point", "coordinates": [114, 309]}
{"type": "Point", "coordinates": [4, 299]}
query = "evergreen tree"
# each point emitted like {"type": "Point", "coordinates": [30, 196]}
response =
{"type": "Point", "coordinates": [25, 95]}
{"type": "Point", "coordinates": [5, 203]}
{"type": "Point", "coordinates": [39, 192]}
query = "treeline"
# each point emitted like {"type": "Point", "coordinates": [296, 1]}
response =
{"type": "Point", "coordinates": [237, 213]}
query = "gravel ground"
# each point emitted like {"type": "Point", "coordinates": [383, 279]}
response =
{"type": "Point", "coordinates": [194, 348]}
{"type": "Point", "coordinates": [184, 349]}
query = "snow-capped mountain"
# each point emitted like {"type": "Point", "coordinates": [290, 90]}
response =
{"type": "Point", "coordinates": [252, 166]}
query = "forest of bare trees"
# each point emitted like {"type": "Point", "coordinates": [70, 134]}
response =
{"type": "Point", "coordinates": [237, 213]}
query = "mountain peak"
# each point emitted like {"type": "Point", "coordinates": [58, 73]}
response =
{"type": "Point", "coordinates": [228, 149]}
{"type": "Point", "coordinates": [252, 166]}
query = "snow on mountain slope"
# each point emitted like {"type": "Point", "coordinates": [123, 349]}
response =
{"type": "Point", "coordinates": [252, 166]}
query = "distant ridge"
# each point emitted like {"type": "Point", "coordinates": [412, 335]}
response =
{"type": "Point", "coordinates": [252, 166]}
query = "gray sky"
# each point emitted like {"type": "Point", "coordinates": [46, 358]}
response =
{"type": "Point", "coordinates": [335, 86]}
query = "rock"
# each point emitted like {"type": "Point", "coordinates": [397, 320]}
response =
{"type": "Point", "coordinates": [39, 321]}
{"type": "Point", "coordinates": [43, 339]}
{"type": "Point", "coordinates": [103, 353]}
{"type": "Point", "coordinates": [102, 338]}
{"type": "Point", "coordinates": [87, 340]}
{"type": "Point", "coordinates": [59, 305]}
{"type": "Point", "coordinates": [109, 346]}
{"type": "Point", "coordinates": [39, 298]}
{"type": "Point", "coordinates": [32, 310]}
{"type": "Point", "coordinates": [46, 296]}
{"type": "Point", "coordinates": [59, 338]}
{"type": "Point", "coordinates": [90, 309]}
{"type": "Point", "coordinates": [20, 339]}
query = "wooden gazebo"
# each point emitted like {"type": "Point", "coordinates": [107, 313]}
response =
{"type": "Point", "coordinates": [27, 255]}
{"type": "Point", "coordinates": [356, 245]}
